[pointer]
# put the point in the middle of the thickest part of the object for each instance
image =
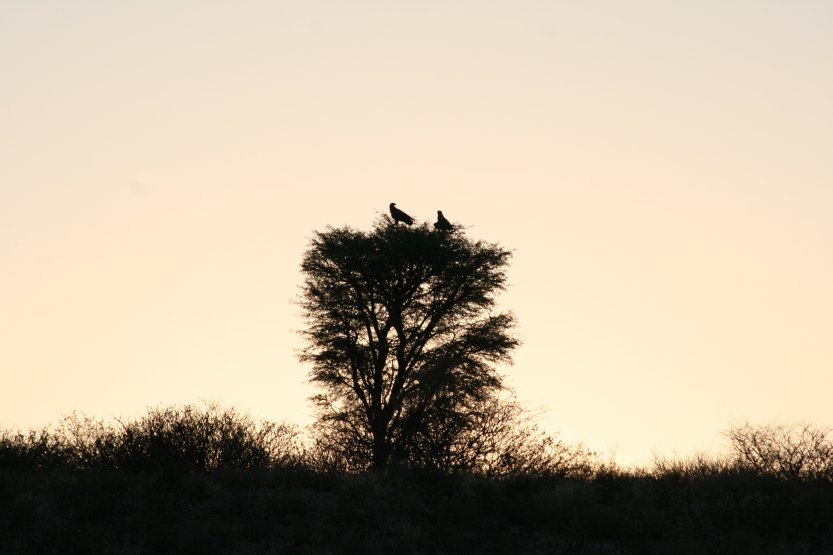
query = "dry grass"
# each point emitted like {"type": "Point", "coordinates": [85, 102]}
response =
{"type": "Point", "coordinates": [53, 500]}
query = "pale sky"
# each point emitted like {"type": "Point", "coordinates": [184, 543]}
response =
{"type": "Point", "coordinates": [663, 172]}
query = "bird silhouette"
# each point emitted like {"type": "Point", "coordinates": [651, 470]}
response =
{"type": "Point", "coordinates": [399, 216]}
{"type": "Point", "coordinates": [442, 224]}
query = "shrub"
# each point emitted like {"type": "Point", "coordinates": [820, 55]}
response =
{"type": "Point", "coordinates": [798, 450]}
{"type": "Point", "coordinates": [189, 438]}
{"type": "Point", "coordinates": [38, 449]}
{"type": "Point", "coordinates": [194, 439]}
{"type": "Point", "coordinates": [497, 438]}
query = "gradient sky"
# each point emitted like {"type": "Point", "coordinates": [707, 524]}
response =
{"type": "Point", "coordinates": [663, 172]}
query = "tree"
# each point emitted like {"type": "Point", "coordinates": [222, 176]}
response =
{"type": "Point", "coordinates": [401, 336]}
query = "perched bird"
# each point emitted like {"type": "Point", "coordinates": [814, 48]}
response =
{"type": "Point", "coordinates": [442, 224]}
{"type": "Point", "coordinates": [399, 216]}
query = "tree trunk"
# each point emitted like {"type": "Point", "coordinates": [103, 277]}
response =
{"type": "Point", "coordinates": [381, 449]}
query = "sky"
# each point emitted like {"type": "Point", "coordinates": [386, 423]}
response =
{"type": "Point", "coordinates": [662, 172]}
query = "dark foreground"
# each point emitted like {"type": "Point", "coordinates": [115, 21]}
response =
{"type": "Point", "coordinates": [297, 511]}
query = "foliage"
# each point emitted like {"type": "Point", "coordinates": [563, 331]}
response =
{"type": "Point", "coordinates": [36, 449]}
{"type": "Point", "coordinates": [799, 450]}
{"type": "Point", "coordinates": [494, 437]}
{"type": "Point", "coordinates": [401, 338]}
{"type": "Point", "coordinates": [188, 438]}
{"type": "Point", "coordinates": [687, 508]}
{"type": "Point", "coordinates": [62, 491]}
{"type": "Point", "coordinates": [498, 439]}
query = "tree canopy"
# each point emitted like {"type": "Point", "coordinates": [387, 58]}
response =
{"type": "Point", "coordinates": [402, 336]}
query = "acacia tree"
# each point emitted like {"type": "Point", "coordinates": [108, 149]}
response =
{"type": "Point", "coordinates": [401, 335]}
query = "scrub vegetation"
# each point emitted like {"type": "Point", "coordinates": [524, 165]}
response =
{"type": "Point", "coordinates": [418, 447]}
{"type": "Point", "coordinates": [203, 479]}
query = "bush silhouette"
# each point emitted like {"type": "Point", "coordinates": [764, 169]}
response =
{"type": "Point", "coordinates": [799, 450]}
{"type": "Point", "coordinates": [193, 439]}
{"type": "Point", "coordinates": [120, 498]}
{"type": "Point", "coordinates": [187, 438]}
{"type": "Point", "coordinates": [37, 449]}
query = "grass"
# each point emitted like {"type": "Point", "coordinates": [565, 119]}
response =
{"type": "Point", "coordinates": [284, 510]}
{"type": "Point", "coordinates": [274, 499]}
{"type": "Point", "coordinates": [296, 511]}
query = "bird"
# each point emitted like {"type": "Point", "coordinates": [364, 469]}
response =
{"type": "Point", "coordinates": [399, 216]}
{"type": "Point", "coordinates": [442, 224]}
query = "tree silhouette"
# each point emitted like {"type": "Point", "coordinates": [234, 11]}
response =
{"type": "Point", "coordinates": [401, 336]}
